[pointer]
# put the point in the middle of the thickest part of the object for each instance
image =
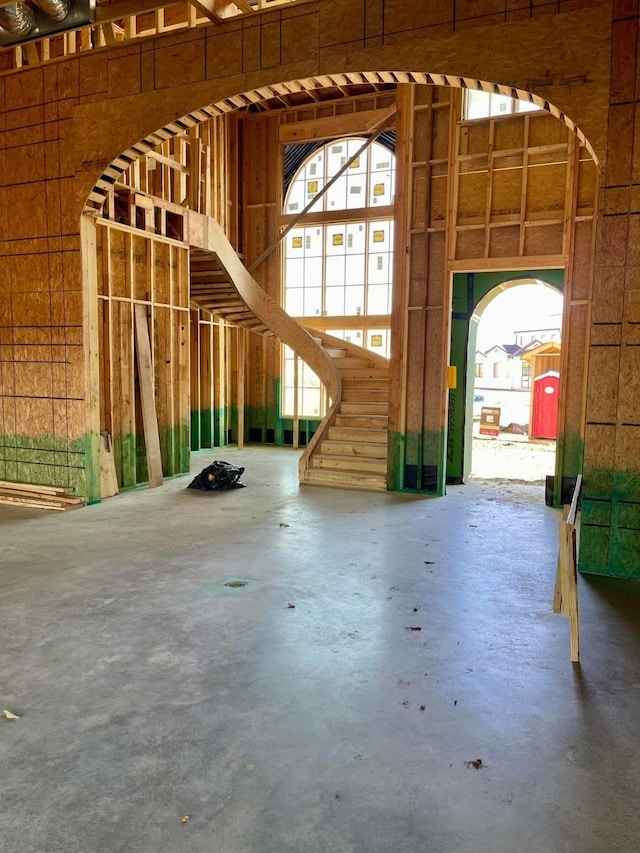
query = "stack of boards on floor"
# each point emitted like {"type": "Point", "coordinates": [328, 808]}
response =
{"type": "Point", "coordinates": [41, 497]}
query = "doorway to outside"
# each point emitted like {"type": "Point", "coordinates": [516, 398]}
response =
{"type": "Point", "coordinates": [505, 345]}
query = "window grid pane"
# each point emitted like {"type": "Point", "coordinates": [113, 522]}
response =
{"type": "Point", "coordinates": [338, 269]}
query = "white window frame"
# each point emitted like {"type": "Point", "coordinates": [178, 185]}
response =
{"type": "Point", "coordinates": [316, 219]}
{"type": "Point", "coordinates": [513, 106]}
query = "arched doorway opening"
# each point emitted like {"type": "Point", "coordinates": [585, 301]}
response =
{"type": "Point", "coordinates": [509, 335]}
{"type": "Point", "coordinates": [487, 372]}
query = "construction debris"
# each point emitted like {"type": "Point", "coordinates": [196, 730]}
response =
{"type": "Point", "coordinates": [40, 497]}
{"type": "Point", "coordinates": [219, 476]}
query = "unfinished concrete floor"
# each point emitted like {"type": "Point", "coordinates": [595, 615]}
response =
{"type": "Point", "coordinates": [147, 690]}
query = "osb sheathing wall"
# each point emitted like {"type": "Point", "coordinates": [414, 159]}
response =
{"type": "Point", "coordinates": [610, 533]}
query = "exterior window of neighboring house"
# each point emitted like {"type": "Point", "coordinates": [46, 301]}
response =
{"type": "Point", "coordinates": [526, 375]}
{"type": "Point", "coordinates": [478, 105]}
{"type": "Point", "coordinates": [479, 370]}
{"type": "Point", "coordinates": [339, 264]}
{"type": "Point", "coordinates": [497, 370]}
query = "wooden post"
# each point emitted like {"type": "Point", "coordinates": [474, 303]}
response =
{"type": "Point", "coordinates": [147, 396]}
{"type": "Point", "coordinates": [296, 407]}
{"type": "Point", "coordinates": [241, 341]}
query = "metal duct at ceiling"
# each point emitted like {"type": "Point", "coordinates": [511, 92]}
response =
{"type": "Point", "coordinates": [48, 17]}
{"type": "Point", "coordinates": [56, 9]}
{"type": "Point", "coordinates": [17, 19]}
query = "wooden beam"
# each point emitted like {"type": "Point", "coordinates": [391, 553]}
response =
{"type": "Point", "coordinates": [370, 321]}
{"type": "Point", "coordinates": [109, 32]}
{"type": "Point", "coordinates": [209, 8]}
{"type": "Point", "coordinates": [147, 397]}
{"type": "Point", "coordinates": [33, 57]}
{"type": "Point", "coordinates": [539, 262]}
{"type": "Point", "coordinates": [327, 217]}
{"type": "Point", "coordinates": [328, 128]}
{"type": "Point", "coordinates": [215, 10]}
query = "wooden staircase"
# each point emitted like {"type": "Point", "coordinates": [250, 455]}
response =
{"type": "Point", "coordinates": [353, 450]}
{"type": "Point", "coordinates": [349, 448]}
{"type": "Point", "coordinates": [212, 290]}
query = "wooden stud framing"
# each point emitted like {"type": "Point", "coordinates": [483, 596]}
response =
{"type": "Point", "coordinates": [149, 417]}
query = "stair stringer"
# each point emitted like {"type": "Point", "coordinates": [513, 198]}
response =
{"type": "Point", "coordinates": [205, 233]}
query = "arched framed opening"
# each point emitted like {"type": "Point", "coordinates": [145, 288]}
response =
{"type": "Point", "coordinates": [420, 318]}
{"type": "Point", "coordinates": [505, 372]}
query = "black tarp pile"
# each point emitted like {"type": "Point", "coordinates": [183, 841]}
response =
{"type": "Point", "coordinates": [218, 477]}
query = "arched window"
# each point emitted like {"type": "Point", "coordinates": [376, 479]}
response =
{"type": "Point", "coordinates": [338, 260]}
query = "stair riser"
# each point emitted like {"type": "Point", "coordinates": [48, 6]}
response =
{"type": "Point", "coordinates": [346, 481]}
{"type": "Point", "coordinates": [369, 436]}
{"type": "Point", "coordinates": [362, 422]}
{"type": "Point", "coordinates": [351, 364]}
{"type": "Point", "coordinates": [359, 466]}
{"type": "Point", "coordinates": [364, 373]}
{"type": "Point", "coordinates": [364, 408]}
{"type": "Point", "coordinates": [355, 450]}
{"type": "Point", "coordinates": [361, 383]}
{"type": "Point", "coordinates": [375, 395]}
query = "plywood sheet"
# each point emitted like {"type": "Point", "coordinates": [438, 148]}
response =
{"type": "Point", "coordinates": [543, 239]}
{"type": "Point", "coordinates": [506, 193]}
{"type": "Point", "coordinates": [509, 133]}
{"type": "Point", "coordinates": [504, 242]}
{"type": "Point", "coordinates": [472, 195]}
{"type": "Point", "coordinates": [470, 244]}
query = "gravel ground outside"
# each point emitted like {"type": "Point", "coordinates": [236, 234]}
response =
{"type": "Point", "coordinates": [512, 457]}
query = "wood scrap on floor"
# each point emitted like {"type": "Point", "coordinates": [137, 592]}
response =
{"type": "Point", "coordinates": [565, 599]}
{"type": "Point", "coordinates": [108, 477]}
{"type": "Point", "coordinates": [39, 497]}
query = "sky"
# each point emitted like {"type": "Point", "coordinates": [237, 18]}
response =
{"type": "Point", "coordinates": [523, 306]}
